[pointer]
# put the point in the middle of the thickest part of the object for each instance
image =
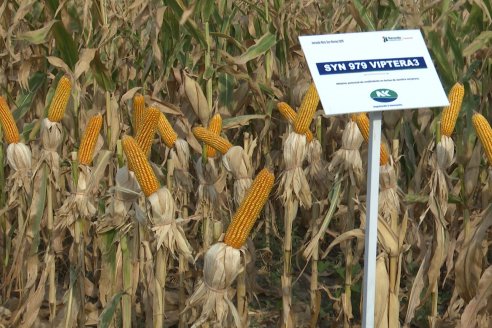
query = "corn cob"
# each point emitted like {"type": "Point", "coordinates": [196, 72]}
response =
{"type": "Point", "coordinates": [138, 112]}
{"type": "Point", "coordinates": [141, 167]}
{"type": "Point", "coordinates": [214, 126]}
{"type": "Point", "coordinates": [290, 115]}
{"type": "Point", "coordinates": [8, 124]}
{"type": "Point", "coordinates": [60, 100]}
{"type": "Point", "coordinates": [146, 133]}
{"type": "Point", "coordinates": [450, 113]}
{"type": "Point", "coordinates": [166, 131]}
{"type": "Point", "coordinates": [212, 139]}
{"type": "Point", "coordinates": [307, 110]}
{"type": "Point", "coordinates": [89, 139]}
{"type": "Point", "coordinates": [363, 123]}
{"type": "Point", "coordinates": [247, 213]}
{"type": "Point", "coordinates": [484, 132]}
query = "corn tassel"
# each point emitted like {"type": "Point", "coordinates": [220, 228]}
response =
{"type": "Point", "coordinates": [89, 139]}
{"type": "Point", "coordinates": [247, 213]}
{"type": "Point", "coordinates": [307, 110]}
{"type": "Point", "coordinates": [145, 134]}
{"type": "Point", "coordinates": [363, 123]}
{"type": "Point", "coordinates": [211, 139]}
{"type": "Point", "coordinates": [484, 132]}
{"type": "Point", "coordinates": [8, 124]}
{"type": "Point", "coordinates": [214, 126]}
{"type": "Point", "coordinates": [141, 167]}
{"type": "Point", "coordinates": [290, 115]}
{"type": "Point", "coordinates": [60, 100]}
{"type": "Point", "coordinates": [450, 113]}
{"type": "Point", "coordinates": [138, 112]}
{"type": "Point", "coordinates": [166, 131]}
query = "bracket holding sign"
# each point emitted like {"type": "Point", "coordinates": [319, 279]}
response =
{"type": "Point", "coordinates": [372, 72]}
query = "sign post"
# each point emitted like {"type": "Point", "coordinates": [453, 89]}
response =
{"type": "Point", "coordinates": [372, 72]}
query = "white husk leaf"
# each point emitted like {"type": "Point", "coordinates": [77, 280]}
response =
{"type": "Point", "coordinates": [238, 163]}
{"type": "Point", "coordinates": [389, 203]}
{"type": "Point", "coordinates": [222, 264]}
{"type": "Point", "coordinates": [168, 233]}
{"type": "Point", "coordinates": [293, 182]}
{"type": "Point", "coordinates": [439, 182]}
{"type": "Point", "coordinates": [347, 158]}
{"type": "Point", "coordinates": [19, 158]}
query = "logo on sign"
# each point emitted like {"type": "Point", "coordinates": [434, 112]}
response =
{"type": "Point", "coordinates": [384, 95]}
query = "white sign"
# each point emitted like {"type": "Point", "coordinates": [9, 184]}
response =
{"type": "Point", "coordinates": [373, 71]}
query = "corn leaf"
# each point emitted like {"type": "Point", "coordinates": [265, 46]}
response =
{"type": "Point", "coordinates": [266, 42]}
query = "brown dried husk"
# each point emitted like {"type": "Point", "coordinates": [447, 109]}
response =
{"type": "Point", "coordinates": [347, 158]}
{"type": "Point", "coordinates": [238, 163]}
{"type": "Point", "coordinates": [389, 201]}
{"type": "Point", "coordinates": [180, 155]}
{"type": "Point", "coordinates": [79, 204]}
{"type": "Point", "coordinates": [126, 192]}
{"type": "Point", "coordinates": [293, 183]}
{"type": "Point", "coordinates": [316, 171]}
{"type": "Point", "coordinates": [19, 158]}
{"type": "Point", "coordinates": [51, 139]}
{"type": "Point", "coordinates": [222, 264]}
{"type": "Point", "coordinates": [169, 234]}
{"type": "Point", "coordinates": [439, 182]}
{"type": "Point", "coordinates": [211, 183]}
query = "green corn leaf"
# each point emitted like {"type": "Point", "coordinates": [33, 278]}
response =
{"type": "Point", "coordinates": [266, 42]}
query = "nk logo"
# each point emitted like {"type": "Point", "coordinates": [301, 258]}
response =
{"type": "Point", "coordinates": [384, 95]}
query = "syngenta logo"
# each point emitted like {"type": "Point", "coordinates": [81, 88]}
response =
{"type": "Point", "coordinates": [391, 38]}
{"type": "Point", "coordinates": [384, 95]}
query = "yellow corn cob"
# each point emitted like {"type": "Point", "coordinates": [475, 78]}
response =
{"type": "Point", "coordinates": [141, 167]}
{"type": "Point", "coordinates": [247, 213]}
{"type": "Point", "coordinates": [60, 100]}
{"type": "Point", "coordinates": [8, 124]}
{"type": "Point", "coordinates": [290, 115]}
{"type": "Point", "coordinates": [212, 139]}
{"type": "Point", "coordinates": [363, 123]}
{"type": "Point", "coordinates": [146, 133]}
{"type": "Point", "coordinates": [450, 113]}
{"type": "Point", "coordinates": [138, 112]}
{"type": "Point", "coordinates": [484, 132]}
{"type": "Point", "coordinates": [307, 110]}
{"type": "Point", "coordinates": [166, 131]}
{"type": "Point", "coordinates": [89, 139]}
{"type": "Point", "coordinates": [214, 126]}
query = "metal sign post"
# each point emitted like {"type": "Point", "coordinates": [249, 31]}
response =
{"type": "Point", "coordinates": [371, 240]}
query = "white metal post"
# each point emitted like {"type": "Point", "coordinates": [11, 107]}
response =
{"type": "Point", "coordinates": [371, 235]}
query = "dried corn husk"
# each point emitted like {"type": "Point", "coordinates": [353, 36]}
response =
{"type": "Point", "coordinates": [180, 154]}
{"type": "Point", "coordinates": [221, 267]}
{"type": "Point", "coordinates": [238, 163]}
{"type": "Point", "coordinates": [293, 183]}
{"type": "Point", "coordinates": [439, 182]}
{"type": "Point", "coordinates": [51, 138]}
{"type": "Point", "coordinates": [79, 204]}
{"type": "Point", "coordinates": [389, 202]}
{"type": "Point", "coordinates": [169, 234]}
{"type": "Point", "coordinates": [211, 184]}
{"type": "Point", "coordinates": [126, 192]}
{"type": "Point", "coordinates": [347, 158]}
{"type": "Point", "coordinates": [317, 170]}
{"type": "Point", "coordinates": [19, 158]}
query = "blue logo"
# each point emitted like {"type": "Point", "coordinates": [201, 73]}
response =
{"type": "Point", "coordinates": [384, 95]}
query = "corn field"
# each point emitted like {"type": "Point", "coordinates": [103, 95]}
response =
{"type": "Point", "coordinates": [168, 164]}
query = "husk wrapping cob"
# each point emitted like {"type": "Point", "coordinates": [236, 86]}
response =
{"type": "Point", "coordinates": [235, 159]}
{"type": "Point", "coordinates": [223, 259]}
{"type": "Point", "coordinates": [19, 156]}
